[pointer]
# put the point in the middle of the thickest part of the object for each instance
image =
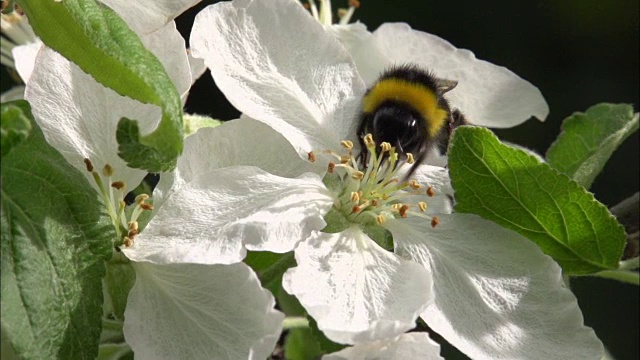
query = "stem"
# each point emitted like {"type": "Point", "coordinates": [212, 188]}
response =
{"type": "Point", "coordinates": [295, 322]}
{"type": "Point", "coordinates": [629, 277]}
{"type": "Point", "coordinates": [630, 264]}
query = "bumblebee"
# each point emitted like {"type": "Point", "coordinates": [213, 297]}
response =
{"type": "Point", "coordinates": [406, 108]}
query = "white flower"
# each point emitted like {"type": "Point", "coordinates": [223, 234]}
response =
{"type": "Point", "coordinates": [406, 346]}
{"type": "Point", "coordinates": [174, 311]}
{"type": "Point", "coordinates": [487, 290]}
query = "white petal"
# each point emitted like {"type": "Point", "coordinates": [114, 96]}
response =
{"type": "Point", "coordinates": [241, 142]}
{"type": "Point", "coordinates": [145, 16]}
{"type": "Point", "coordinates": [187, 311]}
{"type": "Point", "coordinates": [15, 93]}
{"type": "Point", "coordinates": [438, 179]}
{"type": "Point", "coordinates": [497, 296]}
{"type": "Point", "coordinates": [405, 346]}
{"type": "Point", "coordinates": [24, 57]}
{"type": "Point", "coordinates": [487, 94]}
{"type": "Point", "coordinates": [356, 290]}
{"type": "Point", "coordinates": [197, 67]}
{"type": "Point", "coordinates": [79, 116]}
{"type": "Point", "coordinates": [168, 45]}
{"type": "Point", "coordinates": [360, 43]}
{"type": "Point", "coordinates": [276, 64]}
{"type": "Point", "coordinates": [216, 215]}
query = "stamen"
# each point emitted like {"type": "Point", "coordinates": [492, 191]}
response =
{"type": "Point", "coordinates": [311, 156]}
{"type": "Point", "coordinates": [355, 197]}
{"type": "Point", "coordinates": [107, 170]}
{"type": "Point", "coordinates": [380, 219]}
{"type": "Point", "coordinates": [314, 10]}
{"type": "Point", "coordinates": [414, 184]}
{"type": "Point", "coordinates": [435, 221]}
{"type": "Point", "coordinates": [385, 147]}
{"type": "Point", "coordinates": [118, 185]}
{"type": "Point", "coordinates": [410, 159]}
{"type": "Point", "coordinates": [88, 164]}
{"type": "Point", "coordinates": [347, 144]}
{"type": "Point", "coordinates": [331, 167]}
{"type": "Point", "coordinates": [127, 242]}
{"type": "Point", "coordinates": [403, 210]}
{"type": "Point", "coordinates": [140, 199]}
{"type": "Point", "coordinates": [422, 206]}
{"type": "Point", "coordinates": [430, 191]}
{"type": "Point", "coordinates": [368, 141]}
{"type": "Point", "coordinates": [358, 175]}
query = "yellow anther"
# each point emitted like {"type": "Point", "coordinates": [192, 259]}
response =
{"type": "Point", "coordinates": [355, 197]}
{"type": "Point", "coordinates": [410, 158]}
{"type": "Point", "coordinates": [107, 170]}
{"type": "Point", "coordinates": [380, 219]}
{"type": "Point", "coordinates": [140, 199]}
{"type": "Point", "coordinates": [414, 184]}
{"type": "Point", "coordinates": [347, 144]}
{"type": "Point", "coordinates": [422, 206]}
{"type": "Point", "coordinates": [127, 241]}
{"type": "Point", "coordinates": [385, 146]}
{"type": "Point", "coordinates": [368, 141]}
{"type": "Point", "coordinates": [133, 225]}
{"type": "Point", "coordinates": [358, 175]}
{"type": "Point", "coordinates": [344, 159]}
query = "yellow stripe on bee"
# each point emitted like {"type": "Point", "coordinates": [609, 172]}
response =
{"type": "Point", "coordinates": [419, 97]}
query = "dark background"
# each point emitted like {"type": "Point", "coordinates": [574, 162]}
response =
{"type": "Point", "coordinates": [577, 52]}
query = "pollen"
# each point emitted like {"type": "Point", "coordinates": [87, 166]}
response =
{"type": "Point", "coordinates": [311, 156]}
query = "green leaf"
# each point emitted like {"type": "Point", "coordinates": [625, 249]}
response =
{"type": "Point", "coordinates": [516, 190]}
{"type": "Point", "coordinates": [588, 140]}
{"type": "Point", "coordinates": [118, 281]}
{"type": "Point", "coordinates": [15, 117]}
{"type": "Point", "coordinates": [55, 239]}
{"type": "Point", "coordinates": [101, 44]}
{"type": "Point", "coordinates": [301, 344]}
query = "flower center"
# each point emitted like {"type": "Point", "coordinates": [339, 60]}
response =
{"type": "Point", "coordinates": [371, 193]}
{"type": "Point", "coordinates": [124, 218]}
